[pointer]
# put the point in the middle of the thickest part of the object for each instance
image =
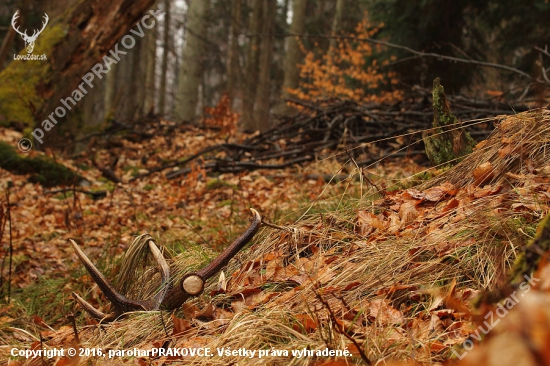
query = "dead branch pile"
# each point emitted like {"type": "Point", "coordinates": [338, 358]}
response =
{"type": "Point", "coordinates": [322, 127]}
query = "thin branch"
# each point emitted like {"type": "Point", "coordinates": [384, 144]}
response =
{"type": "Point", "coordinates": [400, 47]}
{"type": "Point", "coordinates": [544, 51]}
{"type": "Point", "coordinates": [339, 328]}
{"type": "Point", "coordinates": [11, 241]}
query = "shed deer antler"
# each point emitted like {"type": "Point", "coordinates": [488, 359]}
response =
{"type": "Point", "coordinates": [170, 296]}
{"type": "Point", "coordinates": [29, 40]}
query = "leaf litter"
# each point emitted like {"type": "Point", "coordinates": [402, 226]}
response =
{"type": "Point", "coordinates": [395, 270]}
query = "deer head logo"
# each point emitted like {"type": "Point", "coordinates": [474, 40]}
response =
{"type": "Point", "coordinates": [29, 40]}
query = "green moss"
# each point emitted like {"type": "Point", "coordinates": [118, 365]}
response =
{"type": "Point", "coordinates": [411, 181]}
{"type": "Point", "coordinates": [444, 144]}
{"type": "Point", "coordinates": [528, 260]}
{"type": "Point", "coordinates": [216, 183]}
{"type": "Point", "coordinates": [42, 169]}
{"type": "Point", "coordinates": [224, 203]}
{"type": "Point", "coordinates": [20, 80]}
{"type": "Point", "coordinates": [64, 195]}
{"type": "Point", "coordinates": [83, 167]}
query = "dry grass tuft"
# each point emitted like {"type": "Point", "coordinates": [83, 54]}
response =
{"type": "Point", "coordinates": [518, 145]}
{"type": "Point", "coordinates": [399, 286]}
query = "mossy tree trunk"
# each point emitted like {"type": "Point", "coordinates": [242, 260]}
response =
{"type": "Point", "coordinates": [40, 169]}
{"type": "Point", "coordinates": [448, 141]}
{"type": "Point", "coordinates": [73, 43]}
{"type": "Point", "coordinates": [530, 257]}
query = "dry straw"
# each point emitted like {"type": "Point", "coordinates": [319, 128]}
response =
{"type": "Point", "coordinates": [409, 269]}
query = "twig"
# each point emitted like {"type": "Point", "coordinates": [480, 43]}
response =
{"type": "Point", "coordinates": [3, 221]}
{"type": "Point", "coordinates": [380, 192]}
{"type": "Point", "coordinates": [238, 166]}
{"type": "Point", "coordinates": [338, 327]}
{"type": "Point", "coordinates": [95, 195]}
{"type": "Point", "coordinates": [404, 48]}
{"type": "Point", "coordinates": [75, 329]}
{"type": "Point", "coordinates": [274, 226]}
{"type": "Point", "coordinates": [11, 242]}
{"type": "Point", "coordinates": [106, 172]}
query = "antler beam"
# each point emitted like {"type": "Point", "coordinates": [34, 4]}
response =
{"type": "Point", "coordinates": [170, 296]}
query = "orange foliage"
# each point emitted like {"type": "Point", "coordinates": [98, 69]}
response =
{"type": "Point", "coordinates": [345, 72]}
{"type": "Point", "coordinates": [222, 117]}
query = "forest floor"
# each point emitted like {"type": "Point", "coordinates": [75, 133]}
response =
{"type": "Point", "coordinates": [383, 264]}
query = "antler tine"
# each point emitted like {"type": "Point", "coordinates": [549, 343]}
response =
{"type": "Point", "coordinates": [120, 302]}
{"type": "Point", "coordinates": [98, 315]}
{"type": "Point", "coordinates": [164, 273]}
{"type": "Point", "coordinates": [44, 23]}
{"type": "Point", "coordinates": [169, 297]}
{"type": "Point", "coordinates": [192, 284]}
{"type": "Point", "coordinates": [224, 257]}
{"type": "Point", "coordinates": [36, 32]}
{"type": "Point", "coordinates": [15, 16]}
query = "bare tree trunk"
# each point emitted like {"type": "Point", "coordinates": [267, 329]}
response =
{"type": "Point", "coordinates": [233, 65]}
{"type": "Point", "coordinates": [293, 54]}
{"type": "Point", "coordinates": [255, 27]}
{"type": "Point", "coordinates": [174, 86]}
{"type": "Point", "coordinates": [191, 66]}
{"type": "Point", "coordinates": [261, 117]}
{"type": "Point", "coordinates": [165, 51]}
{"type": "Point", "coordinates": [285, 11]}
{"type": "Point", "coordinates": [136, 83]}
{"type": "Point", "coordinates": [110, 92]}
{"type": "Point", "coordinates": [151, 57]}
{"type": "Point", "coordinates": [337, 22]}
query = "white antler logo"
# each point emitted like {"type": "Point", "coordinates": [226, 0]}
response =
{"type": "Point", "coordinates": [29, 40]}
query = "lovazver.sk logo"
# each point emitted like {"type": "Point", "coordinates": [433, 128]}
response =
{"type": "Point", "coordinates": [29, 40]}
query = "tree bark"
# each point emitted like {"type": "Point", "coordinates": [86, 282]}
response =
{"type": "Point", "coordinates": [133, 84]}
{"type": "Point", "coordinates": [151, 55]}
{"type": "Point", "coordinates": [233, 65]}
{"type": "Point", "coordinates": [110, 92]}
{"type": "Point", "coordinates": [261, 116]}
{"type": "Point", "coordinates": [255, 27]}
{"type": "Point", "coordinates": [165, 51]}
{"type": "Point", "coordinates": [293, 54]}
{"type": "Point", "coordinates": [73, 43]}
{"type": "Point", "coordinates": [174, 86]}
{"type": "Point", "coordinates": [285, 11]}
{"type": "Point", "coordinates": [337, 23]}
{"type": "Point", "coordinates": [191, 67]}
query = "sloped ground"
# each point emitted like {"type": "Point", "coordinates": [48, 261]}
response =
{"type": "Point", "coordinates": [384, 271]}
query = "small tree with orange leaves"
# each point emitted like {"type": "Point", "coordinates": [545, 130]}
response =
{"type": "Point", "coordinates": [347, 71]}
{"type": "Point", "coordinates": [222, 116]}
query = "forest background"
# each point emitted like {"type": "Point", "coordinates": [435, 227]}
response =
{"type": "Point", "coordinates": [316, 113]}
{"type": "Point", "coordinates": [260, 53]}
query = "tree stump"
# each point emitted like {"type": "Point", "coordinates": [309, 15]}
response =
{"type": "Point", "coordinates": [447, 142]}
